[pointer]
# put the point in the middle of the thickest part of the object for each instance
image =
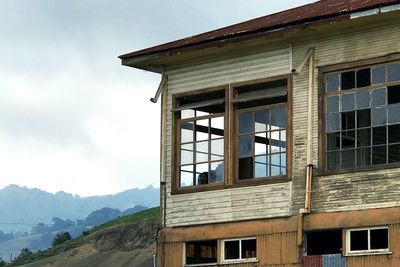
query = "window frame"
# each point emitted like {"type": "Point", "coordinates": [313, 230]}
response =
{"type": "Point", "coordinates": [199, 264]}
{"type": "Point", "coordinates": [343, 67]}
{"type": "Point", "coordinates": [230, 177]}
{"type": "Point", "coordinates": [240, 260]}
{"type": "Point", "coordinates": [369, 251]}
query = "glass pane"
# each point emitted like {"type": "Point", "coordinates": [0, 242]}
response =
{"type": "Point", "coordinates": [348, 120]}
{"type": "Point", "coordinates": [394, 94]}
{"type": "Point", "coordinates": [278, 118]}
{"type": "Point", "coordinates": [394, 133]}
{"type": "Point", "coordinates": [393, 113]}
{"type": "Point", "coordinates": [217, 172]}
{"type": "Point", "coordinates": [276, 144]}
{"type": "Point", "coordinates": [363, 157]}
{"type": "Point", "coordinates": [282, 142]}
{"type": "Point", "coordinates": [231, 250]}
{"type": "Point", "coordinates": [217, 149]}
{"type": "Point", "coordinates": [359, 240]}
{"type": "Point", "coordinates": [379, 135]}
{"type": "Point", "coordinates": [348, 80]}
{"type": "Point", "coordinates": [379, 238]}
{"type": "Point", "coordinates": [332, 82]}
{"type": "Point", "coordinates": [393, 72]}
{"type": "Point", "coordinates": [332, 104]}
{"type": "Point", "coordinates": [202, 151]}
{"type": "Point", "coordinates": [378, 75]}
{"type": "Point", "coordinates": [363, 118]}
{"type": "Point", "coordinates": [363, 100]}
{"type": "Point", "coordinates": [364, 77]}
{"type": "Point", "coordinates": [283, 159]}
{"type": "Point", "coordinates": [261, 121]}
{"type": "Point", "coordinates": [249, 249]}
{"type": "Point", "coordinates": [245, 168]}
{"type": "Point", "coordinates": [394, 153]}
{"type": "Point", "coordinates": [202, 129]}
{"type": "Point", "coordinates": [348, 139]}
{"type": "Point", "coordinates": [202, 173]}
{"type": "Point", "coordinates": [275, 170]}
{"type": "Point", "coordinates": [379, 155]}
{"type": "Point", "coordinates": [198, 252]}
{"type": "Point", "coordinates": [186, 132]}
{"type": "Point", "coordinates": [246, 146]}
{"type": "Point", "coordinates": [347, 102]}
{"type": "Point", "coordinates": [379, 116]}
{"type": "Point", "coordinates": [217, 127]}
{"type": "Point", "coordinates": [276, 159]}
{"type": "Point", "coordinates": [333, 122]}
{"type": "Point", "coordinates": [364, 137]}
{"type": "Point", "coordinates": [187, 113]}
{"type": "Point", "coordinates": [333, 161]}
{"type": "Point", "coordinates": [378, 97]}
{"type": "Point", "coordinates": [348, 159]}
{"type": "Point", "coordinates": [186, 176]}
{"type": "Point", "coordinates": [187, 154]}
{"type": "Point", "coordinates": [246, 122]}
{"type": "Point", "coordinates": [261, 166]}
{"type": "Point", "coordinates": [333, 141]}
{"type": "Point", "coordinates": [261, 145]}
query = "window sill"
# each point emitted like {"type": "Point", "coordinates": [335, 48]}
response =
{"type": "Point", "coordinates": [239, 261]}
{"type": "Point", "coordinates": [201, 265]}
{"type": "Point", "coordinates": [368, 253]}
{"type": "Point", "coordinates": [199, 188]}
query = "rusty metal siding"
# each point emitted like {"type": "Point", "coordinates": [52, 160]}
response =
{"type": "Point", "coordinates": [173, 254]}
{"type": "Point", "coordinates": [277, 249]}
{"type": "Point", "coordinates": [333, 261]}
{"type": "Point", "coordinates": [312, 261]}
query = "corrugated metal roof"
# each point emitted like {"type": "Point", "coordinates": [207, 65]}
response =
{"type": "Point", "coordinates": [311, 12]}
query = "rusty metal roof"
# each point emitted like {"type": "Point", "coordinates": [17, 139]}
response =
{"type": "Point", "coordinates": [319, 10]}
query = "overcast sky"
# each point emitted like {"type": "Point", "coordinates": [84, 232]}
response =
{"type": "Point", "coordinates": [71, 117]}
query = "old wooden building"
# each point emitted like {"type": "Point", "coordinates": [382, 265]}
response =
{"type": "Point", "coordinates": [280, 140]}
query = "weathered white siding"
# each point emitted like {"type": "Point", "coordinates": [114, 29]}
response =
{"type": "Point", "coordinates": [230, 204]}
{"type": "Point", "coordinates": [359, 190]}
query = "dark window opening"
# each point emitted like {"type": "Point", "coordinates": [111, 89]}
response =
{"type": "Point", "coordinates": [348, 80]}
{"type": "Point", "coordinates": [324, 242]}
{"type": "Point", "coordinates": [249, 248]}
{"type": "Point", "coordinates": [359, 240]}
{"type": "Point", "coordinates": [394, 94]}
{"type": "Point", "coordinates": [232, 250]}
{"type": "Point", "coordinates": [240, 249]}
{"type": "Point", "coordinates": [201, 252]}
{"type": "Point", "coordinates": [364, 77]}
{"type": "Point", "coordinates": [379, 238]}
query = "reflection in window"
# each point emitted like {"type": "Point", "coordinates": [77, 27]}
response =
{"type": "Point", "coordinates": [239, 249]}
{"type": "Point", "coordinates": [362, 121]}
{"type": "Point", "coordinates": [201, 142]}
{"type": "Point", "coordinates": [261, 137]}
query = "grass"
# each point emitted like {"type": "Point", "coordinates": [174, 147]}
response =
{"type": "Point", "coordinates": [147, 214]}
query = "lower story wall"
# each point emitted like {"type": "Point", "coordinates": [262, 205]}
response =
{"type": "Point", "coordinates": [277, 239]}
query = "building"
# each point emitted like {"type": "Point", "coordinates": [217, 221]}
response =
{"type": "Point", "coordinates": [280, 141]}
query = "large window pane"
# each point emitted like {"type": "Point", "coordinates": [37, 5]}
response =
{"type": "Point", "coordinates": [261, 121]}
{"type": "Point", "coordinates": [332, 82]}
{"type": "Point", "coordinates": [278, 118]}
{"type": "Point", "coordinates": [363, 100]}
{"type": "Point", "coordinates": [364, 77]}
{"type": "Point", "coordinates": [332, 104]}
{"type": "Point", "coordinates": [378, 75]}
{"type": "Point", "coordinates": [348, 80]}
{"type": "Point", "coordinates": [198, 252]}
{"type": "Point", "coordinates": [347, 102]}
{"type": "Point", "coordinates": [246, 122]}
{"type": "Point", "coordinates": [393, 72]}
{"type": "Point", "coordinates": [359, 240]}
{"type": "Point", "coordinates": [246, 146]}
{"type": "Point", "coordinates": [249, 248]}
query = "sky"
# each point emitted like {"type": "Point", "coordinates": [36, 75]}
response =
{"type": "Point", "coordinates": [71, 117]}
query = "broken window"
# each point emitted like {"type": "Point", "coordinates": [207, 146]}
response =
{"type": "Point", "coordinates": [361, 112]}
{"type": "Point", "coordinates": [239, 249]}
{"type": "Point", "coordinates": [201, 138]}
{"type": "Point", "coordinates": [261, 130]}
{"type": "Point", "coordinates": [197, 252]}
{"type": "Point", "coordinates": [324, 242]}
{"type": "Point", "coordinates": [367, 240]}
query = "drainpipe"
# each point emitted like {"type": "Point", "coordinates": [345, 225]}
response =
{"type": "Point", "coordinates": [310, 57]}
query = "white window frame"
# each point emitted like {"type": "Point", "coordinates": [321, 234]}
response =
{"type": "Point", "coordinates": [240, 260]}
{"type": "Point", "coordinates": [369, 251]}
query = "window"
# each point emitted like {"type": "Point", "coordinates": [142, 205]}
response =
{"type": "Point", "coordinates": [197, 252]}
{"type": "Point", "coordinates": [317, 242]}
{"type": "Point", "coordinates": [239, 250]}
{"type": "Point", "coordinates": [361, 117]}
{"type": "Point", "coordinates": [252, 126]}
{"type": "Point", "coordinates": [261, 130]}
{"type": "Point", "coordinates": [201, 138]}
{"type": "Point", "coordinates": [367, 241]}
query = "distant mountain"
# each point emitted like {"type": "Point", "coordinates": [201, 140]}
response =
{"type": "Point", "coordinates": [21, 207]}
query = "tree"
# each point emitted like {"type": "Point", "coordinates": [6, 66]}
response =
{"type": "Point", "coordinates": [60, 238]}
{"type": "Point", "coordinates": [2, 263]}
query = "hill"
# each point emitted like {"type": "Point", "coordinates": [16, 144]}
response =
{"type": "Point", "coordinates": [126, 241]}
{"type": "Point", "coordinates": [21, 207]}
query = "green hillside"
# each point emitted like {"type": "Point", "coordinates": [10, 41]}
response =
{"type": "Point", "coordinates": [126, 240]}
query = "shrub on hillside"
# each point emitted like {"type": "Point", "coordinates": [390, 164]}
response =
{"type": "Point", "coordinates": [60, 238]}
